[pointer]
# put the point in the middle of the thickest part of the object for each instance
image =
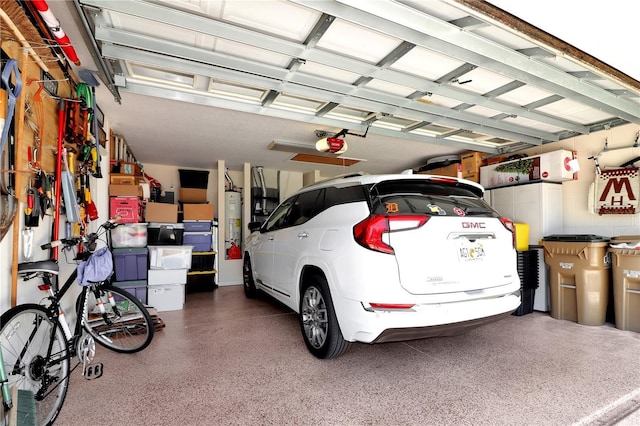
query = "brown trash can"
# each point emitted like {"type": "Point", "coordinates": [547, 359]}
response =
{"type": "Point", "coordinates": [625, 263]}
{"type": "Point", "coordinates": [579, 268]}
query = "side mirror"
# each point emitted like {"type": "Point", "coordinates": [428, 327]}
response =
{"type": "Point", "coordinates": [254, 226]}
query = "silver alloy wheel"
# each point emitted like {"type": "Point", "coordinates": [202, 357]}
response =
{"type": "Point", "coordinates": [314, 317]}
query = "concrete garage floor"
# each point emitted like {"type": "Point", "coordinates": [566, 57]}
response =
{"type": "Point", "coordinates": [226, 360]}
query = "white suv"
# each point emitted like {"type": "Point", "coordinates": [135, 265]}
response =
{"type": "Point", "coordinates": [384, 258]}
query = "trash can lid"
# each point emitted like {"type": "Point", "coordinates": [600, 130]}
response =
{"type": "Point", "coordinates": [576, 238]}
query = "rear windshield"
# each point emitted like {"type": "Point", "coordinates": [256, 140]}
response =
{"type": "Point", "coordinates": [427, 197]}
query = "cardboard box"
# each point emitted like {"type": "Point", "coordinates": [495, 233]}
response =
{"type": "Point", "coordinates": [161, 212]}
{"type": "Point", "coordinates": [473, 177]}
{"type": "Point", "coordinates": [197, 211]}
{"type": "Point", "coordinates": [121, 179]}
{"type": "Point", "coordinates": [130, 168]}
{"type": "Point", "coordinates": [471, 163]}
{"type": "Point", "coordinates": [453, 170]}
{"type": "Point", "coordinates": [549, 167]}
{"type": "Point", "coordinates": [193, 195]}
{"type": "Point", "coordinates": [125, 190]}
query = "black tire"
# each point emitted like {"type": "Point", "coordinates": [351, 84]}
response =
{"type": "Point", "coordinates": [249, 285]}
{"type": "Point", "coordinates": [130, 328]}
{"type": "Point", "coordinates": [318, 322]}
{"type": "Point", "coordinates": [25, 336]}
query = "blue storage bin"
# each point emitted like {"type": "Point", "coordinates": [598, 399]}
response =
{"type": "Point", "coordinates": [130, 264]}
{"type": "Point", "coordinates": [201, 241]}
{"type": "Point", "coordinates": [137, 288]}
{"type": "Point", "coordinates": [197, 225]}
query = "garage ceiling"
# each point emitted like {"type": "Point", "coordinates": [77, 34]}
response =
{"type": "Point", "coordinates": [408, 79]}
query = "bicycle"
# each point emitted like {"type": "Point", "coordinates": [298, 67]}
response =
{"type": "Point", "coordinates": [37, 341]}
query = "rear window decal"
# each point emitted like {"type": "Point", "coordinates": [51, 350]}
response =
{"type": "Point", "coordinates": [436, 209]}
{"type": "Point", "coordinates": [392, 207]}
{"type": "Point", "coordinates": [459, 211]}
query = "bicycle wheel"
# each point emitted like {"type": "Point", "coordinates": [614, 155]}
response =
{"type": "Point", "coordinates": [125, 326]}
{"type": "Point", "coordinates": [26, 332]}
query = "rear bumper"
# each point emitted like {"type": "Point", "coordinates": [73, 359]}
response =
{"type": "Point", "coordinates": [414, 333]}
{"type": "Point", "coordinates": [422, 321]}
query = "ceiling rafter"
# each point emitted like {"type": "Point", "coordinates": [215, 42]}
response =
{"type": "Point", "coordinates": [471, 104]}
{"type": "Point", "coordinates": [198, 97]}
{"type": "Point", "coordinates": [176, 50]}
{"type": "Point", "coordinates": [306, 85]}
{"type": "Point", "coordinates": [286, 47]}
{"type": "Point", "coordinates": [411, 25]}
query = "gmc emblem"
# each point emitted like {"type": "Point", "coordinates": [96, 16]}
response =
{"type": "Point", "coordinates": [474, 225]}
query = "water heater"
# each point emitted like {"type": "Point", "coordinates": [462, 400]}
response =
{"type": "Point", "coordinates": [233, 218]}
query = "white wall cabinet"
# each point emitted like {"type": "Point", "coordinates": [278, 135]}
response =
{"type": "Point", "coordinates": [540, 206]}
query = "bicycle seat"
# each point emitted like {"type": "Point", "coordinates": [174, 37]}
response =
{"type": "Point", "coordinates": [49, 266]}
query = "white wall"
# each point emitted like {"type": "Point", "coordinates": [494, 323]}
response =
{"type": "Point", "coordinates": [576, 216]}
{"type": "Point", "coordinates": [28, 292]}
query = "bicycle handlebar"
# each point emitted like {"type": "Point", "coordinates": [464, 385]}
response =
{"type": "Point", "coordinates": [88, 239]}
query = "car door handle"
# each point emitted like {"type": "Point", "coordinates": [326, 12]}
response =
{"type": "Point", "coordinates": [303, 235]}
{"type": "Point", "coordinates": [271, 238]}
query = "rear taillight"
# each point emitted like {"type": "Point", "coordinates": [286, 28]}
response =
{"type": "Point", "coordinates": [369, 232]}
{"type": "Point", "coordinates": [390, 306]}
{"type": "Point", "coordinates": [508, 223]}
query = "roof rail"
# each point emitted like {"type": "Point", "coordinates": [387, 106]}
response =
{"type": "Point", "coordinates": [340, 177]}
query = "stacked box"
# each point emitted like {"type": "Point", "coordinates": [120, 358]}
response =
{"type": "Point", "coordinates": [203, 261]}
{"type": "Point", "coordinates": [197, 225]}
{"type": "Point", "coordinates": [200, 282]}
{"type": "Point", "coordinates": [125, 190]}
{"type": "Point", "coordinates": [129, 235]}
{"type": "Point", "coordinates": [121, 179]}
{"type": "Point", "coordinates": [194, 178]}
{"type": "Point", "coordinates": [198, 212]}
{"type": "Point", "coordinates": [471, 163]}
{"type": "Point", "coordinates": [166, 297]}
{"type": "Point", "coordinates": [161, 234]}
{"type": "Point", "coordinates": [167, 276]}
{"type": "Point", "coordinates": [201, 241]}
{"type": "Point", "coordinates": [130, 264]}
{"type": "Point", "coordinates": [193, 185]}
{"type": "Point", "coordinates": [129, 209]}
{"type": "Point", "coordinates": [137, 288]}
{"type": "Point", "coordinates": [170, 257]}
{"type": "Point", "coordinates": [161, 212]}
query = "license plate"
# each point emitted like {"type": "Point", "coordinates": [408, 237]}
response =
{"type": "Point", "coordinates": [471, 253]}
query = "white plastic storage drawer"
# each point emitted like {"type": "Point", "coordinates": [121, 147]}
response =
{"type": "Point", "coordinates": [167, 297]}
{"type": "Point", "coordinates": [170, 257]}
{"type": "Point", "coordinates": [167, 276]}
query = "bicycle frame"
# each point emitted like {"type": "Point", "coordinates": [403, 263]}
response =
{"type": "Point", "coordinates": [59, 321]}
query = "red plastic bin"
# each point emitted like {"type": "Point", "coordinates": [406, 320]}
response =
{"type": "Point", "coordinates": [128, 208]}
